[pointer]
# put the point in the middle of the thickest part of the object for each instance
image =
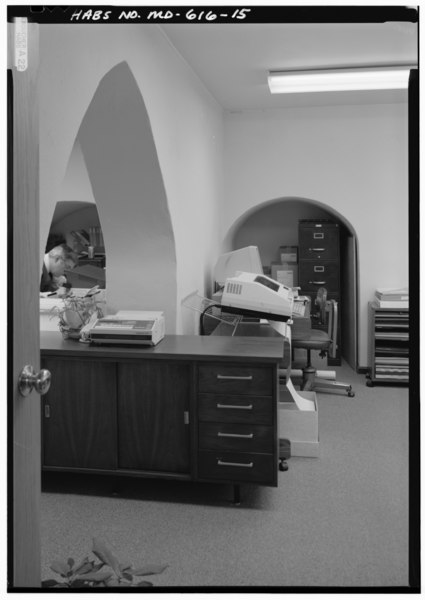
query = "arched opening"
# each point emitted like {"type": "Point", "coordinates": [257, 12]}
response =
{"type": "Point", "coordinates": [275, 223]}
{"type": "Point", "coordinates": [114, 167]}
{"type": "Point", "coordinates": [76, 223]}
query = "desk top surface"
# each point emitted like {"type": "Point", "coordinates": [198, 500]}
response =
{"type": "Point", "coordinates": [189, 347]}
{"type": "Point", "coordinates": [247, 329]}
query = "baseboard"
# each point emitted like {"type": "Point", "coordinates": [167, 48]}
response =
{"type": "Point", "coordinates": [363, 370]}
{"type": "Point", "coordinates": [334, 362]}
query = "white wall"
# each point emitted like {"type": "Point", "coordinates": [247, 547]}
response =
{"type": "Point", "coordinates": [352, 159]}
{"type": "Point", "coordinates": [186, 124]}
{"type": "Point", "coordinates": [121, 158]}
{"type": "Point", "coordinates": [76, 185]}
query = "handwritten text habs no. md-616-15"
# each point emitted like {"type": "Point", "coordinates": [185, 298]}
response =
{"type": "Point", "coordinates": [90, 15]}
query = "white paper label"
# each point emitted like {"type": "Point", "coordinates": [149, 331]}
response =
{"type": "Point", "coordinates": [21, 43]}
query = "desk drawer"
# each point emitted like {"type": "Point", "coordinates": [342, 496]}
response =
{"type": "Point", "coordinates": [237, 467]}
{"type": "Point", "coordinates": [237, 379]}
{"type": "Point", "coordinates": [235, 437]}
{"type": "Point", "coordinates": [235, 409]}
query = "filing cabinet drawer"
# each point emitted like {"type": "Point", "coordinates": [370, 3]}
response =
{"type": "Point", "coordinates": [235, 437]}
{"type": "Point", "coordinates": [318, 242]}
{"type": "Point", "coordinates": [314, 274]}
{"type": "Point", "coordinates": [235, 409]}
{"type": "Point", "coordinates": [238, 467]}
{"type": "Point", "coordinates": [237, 379]}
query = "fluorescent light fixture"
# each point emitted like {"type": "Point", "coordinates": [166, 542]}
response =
{"type": "Point", "coordinates": [339, 80]}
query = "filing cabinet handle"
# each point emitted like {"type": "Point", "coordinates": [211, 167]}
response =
{"type": "Point", "coordinates": [246, 436]}
{"type": "Point", "coordinates": [317, 249]}
{"type": "Point", "coordinates": [238, 377]}
{"type": "Point", "coordinates": [248, 407]}
{"type": "Point", "coordinates": [318, 282]}
{"type": "Point", "coordinates": [222, 463]}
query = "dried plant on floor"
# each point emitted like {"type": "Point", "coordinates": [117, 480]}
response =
{"type": "Point", "coordinates": [106, 571]}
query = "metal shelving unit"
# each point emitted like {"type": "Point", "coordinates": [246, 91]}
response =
{"type": "Point", "coordinates": [388, 345]}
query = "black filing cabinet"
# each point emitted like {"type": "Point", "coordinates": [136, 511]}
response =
{"type": "Point", "coordinates": [319, 267]}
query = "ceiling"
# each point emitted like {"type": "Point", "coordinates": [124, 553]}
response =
{"type": "Point", "coordinates": [233, 60]}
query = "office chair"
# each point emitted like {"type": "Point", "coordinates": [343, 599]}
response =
{"type": "Point", "coordinates": [317, 339]}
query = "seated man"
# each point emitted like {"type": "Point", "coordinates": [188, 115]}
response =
{"type": "Point", "coordinates": [56, 262]}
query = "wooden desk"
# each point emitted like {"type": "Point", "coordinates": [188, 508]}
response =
{"type": "Point", "coordinates": [251, 329]}
{"type": "Point", "coordinates": [192, 407]}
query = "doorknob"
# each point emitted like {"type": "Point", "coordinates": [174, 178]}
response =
{"type": "Point", "coordinates": [29, 380]}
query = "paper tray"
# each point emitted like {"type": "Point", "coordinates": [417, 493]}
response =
{"type": "Point", "coordinates": [300, 427]}
{"type": "Point", "coordinates": [205, 306]}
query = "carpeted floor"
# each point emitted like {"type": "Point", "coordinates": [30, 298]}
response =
{"type": "Point", "coordinates": [337, 520]}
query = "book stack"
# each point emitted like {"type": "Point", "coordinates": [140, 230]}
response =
{"type": "Point", "coordinates": [392, 298]}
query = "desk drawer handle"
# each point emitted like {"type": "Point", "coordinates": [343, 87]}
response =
{"type": "Point", "coordinates": [222, 463]}
{"type": "Point", "coordinates": [247, 436]}
{"type": "Point", "coordinates": [234, 406]}
{"type": "Point", "coordinates": [317, 249]}
{"type": "Point", "coordinates": [238, 377]}
{"type": "Point", "coordinates": [318, 282]}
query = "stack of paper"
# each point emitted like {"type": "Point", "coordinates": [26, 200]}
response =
{"type": "Point", "coordinates": [392, 297]}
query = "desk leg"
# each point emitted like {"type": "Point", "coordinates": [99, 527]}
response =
{"type": "Point", "coordinates": [236, 494]}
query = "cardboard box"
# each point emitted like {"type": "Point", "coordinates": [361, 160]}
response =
{"type": "Point", "coordinates": [288, 254]}
{"type": "Point", "coordinates": [300, 427]}
{"type": "Point", "coordinates": [285, 273]}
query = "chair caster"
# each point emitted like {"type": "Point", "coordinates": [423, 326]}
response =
{"type": "Point", "coordinates": [283, 465]}
{"type": "Point", "coordinates": [350, 392]}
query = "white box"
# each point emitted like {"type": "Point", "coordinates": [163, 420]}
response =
{"type": "Point", "coordinates": [288, 254]}
{"type": "Point", "coordinates": [300, 427]}
{"type": "Point", "coordinates": [287, 274]}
